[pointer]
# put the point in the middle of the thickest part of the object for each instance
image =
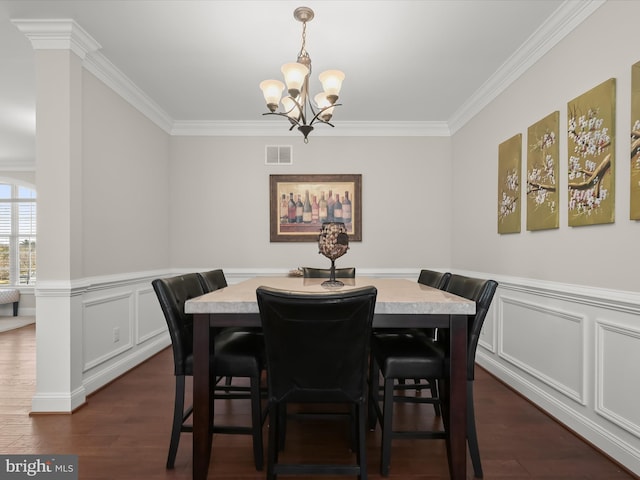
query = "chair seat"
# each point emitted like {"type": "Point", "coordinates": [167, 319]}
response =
{"type": "Point", "coordinates": [239, 353]}
{"type": "Point", "coordinates": [404, 355]}
{"type": "Point", "coordinates": [235, 354]}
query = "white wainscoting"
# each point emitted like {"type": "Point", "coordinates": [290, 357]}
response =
{"type": "Point", "coordinates": [120, 325]}
{"type": "Point", "coordinates": [573, 351]}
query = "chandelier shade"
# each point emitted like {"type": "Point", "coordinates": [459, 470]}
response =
{"type": "Point", "coordinates": [324, 105]}
{"type": "Point", "coordinates": [272, 91]}
{"type": "Point", "coordinates": [331, 82]}
{"type": "Point", "coordinates": [296, 105]}
{"type": "Point", "coordinates": [294, 76]}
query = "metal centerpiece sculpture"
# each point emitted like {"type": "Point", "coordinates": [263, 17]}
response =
{"type": "Point", "coordinates": [333, 243]}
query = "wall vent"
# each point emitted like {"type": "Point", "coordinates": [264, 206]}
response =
{"type": "Point", "coordinates": [278, 155]}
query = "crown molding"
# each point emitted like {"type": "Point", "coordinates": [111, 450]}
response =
{"type": "Point", "coordinates": [109, 74]}
{"type": "Point", "coordinates": [562, 22]}
{"type": "Point", "coordinates": [66, 34]}
{"type": "Point", "coordinates": [57, 34]}
{"type": "Point", "coordinates": [281, 129]}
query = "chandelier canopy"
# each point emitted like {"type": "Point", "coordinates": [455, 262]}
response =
{"type": "Point", "coordinates": [297, 106]}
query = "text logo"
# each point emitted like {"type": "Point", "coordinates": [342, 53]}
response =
{"type": "Point", "coordinates": [52, 467]}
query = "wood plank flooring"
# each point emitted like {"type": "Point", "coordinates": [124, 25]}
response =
{"type": "Point", "coordinates": [123, 431]}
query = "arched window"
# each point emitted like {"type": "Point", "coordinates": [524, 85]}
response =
{"type": "Point", "coordinates": [17, 235]}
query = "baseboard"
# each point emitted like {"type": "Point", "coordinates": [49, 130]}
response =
{"type": "Point", "coordinates": [55, 402]}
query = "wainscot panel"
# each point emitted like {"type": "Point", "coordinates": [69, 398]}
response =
{"type": "Point", "coordinates": [618, 361]}
{"type": "Point", "coordinates": [151, 321]}
{"type": "Point", "coordinates": [123, 324]}
{"type": "Point", "coordinates": [106, 331]}
{"type": "Point", "coordinates": [531, 329]}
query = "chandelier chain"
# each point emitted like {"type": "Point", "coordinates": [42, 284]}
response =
{"type": "Point", "coordinates": [303, 51]}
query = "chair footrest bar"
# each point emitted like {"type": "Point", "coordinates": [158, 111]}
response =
{"type": "Point", "coordinates": [320, 415]}
{"type": "Point", "coordinates": [231, 388]}
{"type": "Point", "coordinates": [408, 434]}
{"type": "Point", "coordinates": [232, 430]}
{"type": "Point", "coordinates": [286, 469]}
{"type": "Point", "coordinates": [232, 396]}
{"type": "Point", "coordinates": [409, 386]}
{"type": "Point", "coordinates": [401, 399]}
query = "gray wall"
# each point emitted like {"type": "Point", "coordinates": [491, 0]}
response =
{"type": "Point", "coordinates": [220, 200]}
{"type": "Point", "coordinates": [125, 186]}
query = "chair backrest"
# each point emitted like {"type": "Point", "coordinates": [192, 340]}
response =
{"type": "Point", "coordinates": [308, 272]}
{"type": "Point", "coordinates": [481, 291]}
{"type": "Point", "coordinates": [434, 279]}
{"type": "Point", "coordinates": [172, 294]}
{"type": "Point", "coordinates": [212, 280]}
{"type": "Point", "coordinates": [317, 345]}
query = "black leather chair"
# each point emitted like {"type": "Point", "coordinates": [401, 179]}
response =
{"type": "Point", "coordinates": [308, 272]}
{"type": "Point", "coordinates": [212, 280]}
{"type": "Point", "coordinates": [430, 278]}
{"type": "Point", "coordinates": [438, 280]}
{"type": "Point", "coordinates": [433, 279]}
{"type": "Point", "coordinates": [317, 352]}
{"type": "Point", "coordinates": [237, 354]}
{"type": "Point", "coordinates": [402, 357]}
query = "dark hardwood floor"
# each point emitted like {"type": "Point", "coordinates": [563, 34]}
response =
{"type": "Point", "coordinates": [123, 431]}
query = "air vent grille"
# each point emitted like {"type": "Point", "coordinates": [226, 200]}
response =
{"type": "Point", "coordinates": [278, 155]}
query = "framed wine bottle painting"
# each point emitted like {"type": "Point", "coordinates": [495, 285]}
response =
{"type": "Point", "coordinates": [300, 204]}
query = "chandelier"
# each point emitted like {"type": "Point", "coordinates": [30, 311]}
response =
{"type": "Point", "coordinates": [297, 106]}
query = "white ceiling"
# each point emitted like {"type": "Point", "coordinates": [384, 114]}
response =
{"type": "Point", "coordinates": [431, 62]}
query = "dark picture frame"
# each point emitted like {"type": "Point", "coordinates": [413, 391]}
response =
{"type": "Point", "coordinates": [308, 230]}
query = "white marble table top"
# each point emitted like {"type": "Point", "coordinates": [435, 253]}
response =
{"type": "Point", "coordinates": [395, 296]}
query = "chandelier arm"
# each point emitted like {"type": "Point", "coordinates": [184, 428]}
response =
{"type": "Point", "coordinates": [296, 104]}
{"type": "Point", "coordinates": [301, 108]}
{"type": "Point", "coordinates": [293, 121]}
{"type": "Point", "coordinates": [316, 117]}
{"type": "Point", "coordinates": [325, 122]}
{"type": "Point", "coordinates": [313, 112]}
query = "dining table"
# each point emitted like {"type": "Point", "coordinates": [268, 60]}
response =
{"type": "Point", "coordinates": [400, 303]}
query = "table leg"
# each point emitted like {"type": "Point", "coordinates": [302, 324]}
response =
{"type": "Point", "coordinates": [202, 415]}
{"type": "Point", "coordinates": [458, 397]}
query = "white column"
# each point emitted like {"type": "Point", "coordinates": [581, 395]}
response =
{"type": "Point", "coordinates": [60, 47]}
